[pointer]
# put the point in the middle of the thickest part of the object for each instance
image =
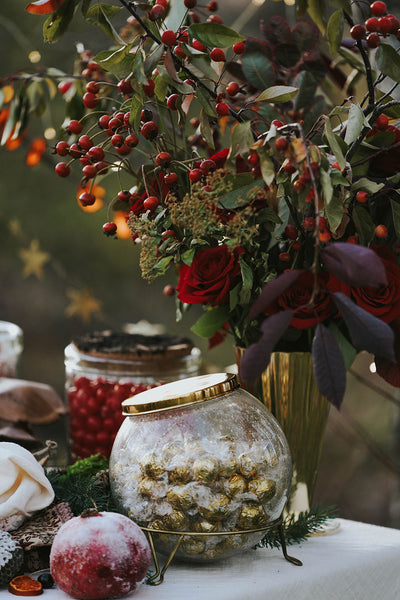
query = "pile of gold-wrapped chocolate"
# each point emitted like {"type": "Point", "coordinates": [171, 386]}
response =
{"type": "Point", "coordinates": [202, 486]}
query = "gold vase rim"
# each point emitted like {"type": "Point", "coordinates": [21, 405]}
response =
{"type": "Point", "coordinates": [183, 392]}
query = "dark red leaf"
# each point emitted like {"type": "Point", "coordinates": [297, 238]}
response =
{"type": "Point", "coordinates": [355, 265]}
{"type": "Point", "coordinates": [272, 290]}
{"type": "Point", "coordinates": [305, 35]}
{"type": "Point", "coordinates": [366, 331]}
{"type": "Point", "coordinates": [329, 366]}
{"type": "Point", "coordinates": [387, 369]}
{"type": "Point", "coordinates": [277, 31]}
{"type": "Point", "coordinates": [44, 7]}
{"type": "Point", "coordinates": [256, 358]}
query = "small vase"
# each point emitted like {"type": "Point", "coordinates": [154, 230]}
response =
{"type": "Point", "coordinates": [288, 389]}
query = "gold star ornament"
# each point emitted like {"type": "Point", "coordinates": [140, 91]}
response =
{"type": "Point", "coordinates": [82, 304]}
{"type": "Point", "coordinates": [34, 260]}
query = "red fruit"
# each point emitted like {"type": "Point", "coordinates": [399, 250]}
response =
{"type": "Point", "coordinates": [146, 115]}
{"type": "Point", "coordinates": [215, 19]}
{"type": "Point", "coordinates": [62, 148]}
{"type": "Point", "coordinates": [96, 153]}
{"type": "Point", "coordinates": [149, 88]}
{"type": "Point", "coordinates": [395, 23]}
{"type": "Point", "coordinates": [125, 87]}
{"type": "Point", "coordinates": [232, 88]}
{"type": "Point", "coordinates": [372, 24]}
{"type": "Point", "coordinates": [114, 123]}
{"type": "Point", "coordinates": [163, 3]}
{"type": "Point", "coordinates": [212, 6]}
{"type": "Point", "coordinates": [239, 47]}
{"type": "Point", "coordinates": [62, 169]}
{"type": "Point", "coordinates": [104, 121]}
{"type": "Point", "coordinates": [127, 116]}
{"type": "Point", "coordinates": [281, 144]}
{"type": "Point", "coordinates": [291, 232]}
{"type": "Point", "coordinates": [168, 233]}
{"type": "Point", "coordinates": [87, 199]}
{"type": "Point", "coordinates": [373, 40]}
{"type": "Point", "coordinates": [284, 257]}
{"type": "Point", "coordinates": [183, 36]}
{"type": "Point", "coordinates": [298, 186]}
{"type": "Point", "coordinates": [199, 46]}
{"type": "Point", "coordinates": [385, 25]}
{"type": "Point", "coordinates": [222, 109]}
{"type": "Point", "coordinates": [207, 165]}
{"type": "Point", "coordinates": [289, 167]}
{"type": "Point", "coordinates": [277, 123]}
{"type": "Point", "coordinates": [195, 175]}
{"type": "Point", "coordinates": [85, 142]}
{"type": "Point", "coordinates": [309, 224]}
{"type": "Point", "coordinates": [156, 12]}
{"type": "Point", "coordinates": [352, 239]}
{"type": "Point", "coordinates": [382, 122]}
{"type": "Point", "coordinates": [90, 100]}
{"type": "Point", "coordinates": [74, 126]}
{"type": "Point", "coordinates": [124, 196]}
{"type": "Point", "coordinates": [64, 86]}
{"type": "Point", "coordinates": [131, 140]}
{"type": "Point", "coordinates": [296, 246]}
{"type": "Point", "coordinates": [362, 196]}
{"type": "Point", "coordinates": [109, 228]}
{"type": "Point", "coordinates": [101, 167]}
{"type": "Point", "coordinates": [93, 87]}
{"type": "Point", "coordinates": [99, 555]}
{"type": "Point", "coordinates": [168, 37]}
{"type": "Point", "coordinates": [381, 231]}
{"type": "Point", "coordinates": [378, 8]}
{"type": "Point", "coordinates": [169, 290]}
{"type": "Point", "coordinates": [151, 203]}
{"type": "Point", "coordinates": [89, 171]}
{"type": "Point", "coordinates": [123, 150]}
{"type": "Point", "coordinates": [217, 55]}
{"type": "Point", "coordinates": [170, 179]}
{"type": "Point", "coordinates": [149, 130]}
{"type": "Point", "coordinates": [190, 3]}
{"type": "Point", "coordinates": [75, 151]}
{"type": "Point", "coordinates": [179, 52]}
{"type": "Point", "coordinates": [357, 32]}
{"type": "Point", "coordinates": [253, 159]}
{"type": "Point", "coordinates": [324, 235]}
{"type": "Point", "coordinates": [117, 140]}
{"type": "Point", "coordinates": [172, 101]}
{"type": "Point", "coordinates": [336, 166]}
{"type": "Point", "coordinates": [163, 159]}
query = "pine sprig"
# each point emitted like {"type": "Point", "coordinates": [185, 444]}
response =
{"type": "Point", "coordinates": [297, 528]}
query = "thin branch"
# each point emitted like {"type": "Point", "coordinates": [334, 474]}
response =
{"type": "Point", "coordinates": [367, 64]}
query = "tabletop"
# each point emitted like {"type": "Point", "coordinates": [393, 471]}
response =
{"type": "Point", "coordinates": [358, 562]}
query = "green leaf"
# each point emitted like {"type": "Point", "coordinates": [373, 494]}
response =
{"type": "Point", "coordinates": [162, 265]}
{"type": "Point", "coordinates": [57, 24]}
{"type": "Point", "coordinates": [334, 144]}
{"type": "Point", "coordinates": [317, 11]}
{"type": "Point", "coordinates": [241, 196]}
{"type": "Point", "coordinates": [366, 184]}
{"type": "Point", "coordinates": [267, 169]}
{"type": "Point", "coordinates": [85, 7]}
{"type": "Point", "coordinates": [344, 4]}
{"type": "Point", "coordinates": [334, 212]}
{"type": "Point", "coordinates": [283, 214]}
{"type": "Point", "coordinates": [258, 69]}
{"type": "Point", "coordinates": [396, 216]}
{"type": "Point", "coordinates": [388, 61]}
{"type": "Point", "coordinates": [241, 139]}
{"type": "Point", "coordinates": [364, 224]}
{"type": "Point", "coordinates": [307, 87]}
{"type": "Point", "coordinates": [247, 278]}
{"type": "Point", "coordinates": [160, 88]}
{"type": "Point", "coordinates": [393, 111]}
{"type": "Point", "coordinates": [352, 59]}
{"type": "Point", "coordinates": [209, 323]}
{"type": "Point", "coordinates": [136, 106]}
{"type": "Point", "coordinates": [234, 296]}
{"type": "Point", "coordinates": [335, 30]}
{"type": "Point", "coordinates": [301, 9]}
{"type": "Point", "coordinates": [138, 67]}
{"type": "Point", "coordinates": [277, 94]}
{"type": "Point", "coordinates": [215, 35]}
{"type": "Point", "coordinates": [118, 61]}
{"type": "Point", "coordinates": [355, 124]}
{"type": "Point", "coordinates": [347, 349]}
{"type": "Point", "coordinates": [204, 100]}
{"type": "Point", "coordinates": [100, 15]}
{"type": "Point", "coordinates": [205, 128]}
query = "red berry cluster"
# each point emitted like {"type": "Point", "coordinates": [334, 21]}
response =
{"type": "Point", "coordinates": [380, 24]}
{"type": "Point", "coordinates": [96, 414]}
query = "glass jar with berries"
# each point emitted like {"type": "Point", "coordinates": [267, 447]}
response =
{"type": "Point", "coordinates": [104, 368]}
{"type": "Point", "coordinates": [11, 346]}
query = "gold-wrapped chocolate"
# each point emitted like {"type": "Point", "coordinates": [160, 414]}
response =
{"type": "Point", "coordinates": [193, 545]}
{"type": "Point", "coordinates": [229, 466]}
{"type": "Point", "coordinates": [156, 524]}
{"type": "Point", "coordinates": [181, 496]}
{"type": "Point", "coordinates": [204, 526]}
{"type": "Point", "coordinates": [151, 465]}
{"type": "Point", "coordinates": [247, 466]}
{"type": "Point", "coordinates": [263, 488]}
{"type": "Point", "coordinates": [252, 515]}
{"type": "Point", "coordinates": [214, 508]}
{"type": "Point", "coordinates": [235, 485]}
{"type": "Point", "coordinates": [148, 487]}
{"type": "Point", "coordinates": [180, 472]}
{"type": "Point", "coordinates": [205, 469]}
{"type": "Point", "coordinates": [176, 521]}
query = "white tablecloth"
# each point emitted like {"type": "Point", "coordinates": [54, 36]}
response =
{"type": "Point", "coordinates": [359, 562]}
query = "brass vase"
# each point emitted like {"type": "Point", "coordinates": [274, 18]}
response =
{"type": "Point", "coordinates": [288, 389]}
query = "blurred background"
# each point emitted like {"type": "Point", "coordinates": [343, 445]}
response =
{"type": "Point", "coordinates": [61, 277]}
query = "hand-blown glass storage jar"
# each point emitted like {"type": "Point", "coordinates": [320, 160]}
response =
{"type": "Point", "coordinates": [11, 346]}
{"type": "Point", "coordinates": [104, 368]}
{"type": "Point", "coordinates": [203, 459]}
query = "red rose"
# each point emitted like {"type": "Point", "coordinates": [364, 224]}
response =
{"type": "Point", "coordinates": [299, 295]}
{"type": "Point", "coordinates": [383, 302]}
{"type": "Point", "coordinates": [210, 277]}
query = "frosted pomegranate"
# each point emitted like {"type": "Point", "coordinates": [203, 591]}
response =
{"type": "Point", "coordinates": [99, 555]}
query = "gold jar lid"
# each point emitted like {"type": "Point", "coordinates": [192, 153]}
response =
{"type": "Point", "coordinates": [180, 393]}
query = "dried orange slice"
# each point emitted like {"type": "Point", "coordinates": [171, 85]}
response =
{"type": "Point", "coordinates": [24, 585]}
